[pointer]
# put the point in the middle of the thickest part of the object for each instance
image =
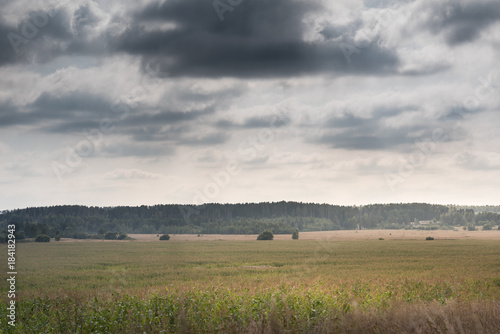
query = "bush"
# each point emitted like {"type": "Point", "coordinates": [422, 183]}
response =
{"type": "Point", "coordinates": [380, 238]}
{"type": "Point", "coordinates": [165, 237]}
{"type": "Point", "coordinates": [42, 238]}
{"type": "Point", "coordinates": [429, 238]}
{"type": "Point", "coordinates": [57, 237]}
{"type": "Point", "coordinates": [471, 227]}
{"type": "Point", "coordinates": [80, 235]}
{"type": "Point", "coordinates": [122, 236]}
{"type": "Point", "coordinates": [266, 235]}
{"type": "Point", "coordinates": [487, 227]}
{"type": "Point", "coordinates": [295, 234]}
{"type": "Point", "coordinates": [111, 236]}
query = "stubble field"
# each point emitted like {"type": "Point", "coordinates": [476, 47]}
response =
{"type": "Point", "coordinates": [325, 282]}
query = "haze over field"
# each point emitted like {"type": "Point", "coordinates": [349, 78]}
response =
{"type": "Point", "coordinates": [346, 102]}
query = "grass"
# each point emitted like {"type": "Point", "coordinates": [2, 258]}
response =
{"type": "Point", "coordinates": [258, 286]}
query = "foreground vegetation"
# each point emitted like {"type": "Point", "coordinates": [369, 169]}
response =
{"type": "Point", "coordinates": [378, 286]}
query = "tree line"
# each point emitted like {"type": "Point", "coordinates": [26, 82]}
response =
{"type": "Point", "coordinates": [244, 218]}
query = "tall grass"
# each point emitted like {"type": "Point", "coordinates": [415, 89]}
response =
{"type": "Point", "coordinates": [448, 286]}
{"type": "Point", "coordinates": [278, 310]}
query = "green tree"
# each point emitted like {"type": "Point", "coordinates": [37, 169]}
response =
{"type": "Point", "coordinates": [111, 236]}
{"type": "Point", "coordinates": [266, 235]}
{"type": "Point", "coordinates": [122, 236]}
{"type": "Point", "coordinates": [488, 226]}
{"type": "Point", "coordinates": [295, 234]}
{"type": "Point", "coordinates": [42, 238]}
{"type": "Point", "coordinates": [165, 237]}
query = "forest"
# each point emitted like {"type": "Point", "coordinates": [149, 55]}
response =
{"type": "Point", "coordinates": [246, 218]}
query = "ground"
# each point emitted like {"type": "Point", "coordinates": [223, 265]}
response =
{"type": "Point", "coordinates": [331, 235]}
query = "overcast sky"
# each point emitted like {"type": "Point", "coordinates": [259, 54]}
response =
{"type": "Point", "coordinates": [192, 101]}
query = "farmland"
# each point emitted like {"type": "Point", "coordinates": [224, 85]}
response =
{"type": "Point", "coordinates": [315, 284]}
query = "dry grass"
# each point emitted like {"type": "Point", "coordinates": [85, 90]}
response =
{"type": "Point", "coordinates": [459, 234]}
{"type": "Point", "coordinates": [327, 285]}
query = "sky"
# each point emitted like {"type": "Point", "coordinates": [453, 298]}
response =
{"type": "Point", "coordinates": [109, 103]}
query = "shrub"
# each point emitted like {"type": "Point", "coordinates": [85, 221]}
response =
{"type": "Point", "coordinates": [429, 238]}
{"type": "Point", "coordinates": [380, 238]}
{"type": "Point", "coordinates": [266, 235]}
{"type": "Point", "coordinates": [295, 234]}
{"type": "Point", "coordinates": [42, 238]}
{"type": "Point", "coordinates": [471, 227]}
{"type": "Point", "coordinates": [487, 227]}
{"type": "Point", "coordinates": [122, 236]}
{"type": "Point", "coordinates": [80, 235]}
{"type": "Point", "coordinates": [57, 237]}
{"type": "Point", "coordinates": [111, 236]}
{"type": "Point", "coordinates": [165, 237]}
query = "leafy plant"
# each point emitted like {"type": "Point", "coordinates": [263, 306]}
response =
{"type": "Point", "coordinates": [42, 238]}
{"type": "Point", "coordinates": [266, 235]}
{"type": "Point", "coordinates": [165, 237]}
{"type": "Point", "coordinates": [80, 235]}
{"type": "Point", "coordinates": [111, 236]}
{"type": "Point", "coordinates": [122, 236]}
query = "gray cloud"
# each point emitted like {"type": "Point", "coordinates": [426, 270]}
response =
{"type": "Point", "coordinates": [79, 107]}
{"type": "Point", "coordinates": [461, 22]}
{"type": "Point", "coordinates": [372, 133]}
{"type": "Point", "coordinates": [259, 39]}
{"type": "Point", "coordinates": [266, 121]}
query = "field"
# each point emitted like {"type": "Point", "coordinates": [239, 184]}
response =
{"type": "Point", "coordinates": [325, 282]}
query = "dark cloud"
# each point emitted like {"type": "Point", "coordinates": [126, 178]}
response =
{"type": "Point", "coordinates": [257, 39]}
{"type": "Point", "coordinates": [7, 52]}
{"type": "Point", "coordinates": [75, 106]}
{"type": "Point", "coordinates": [80, 111]}
{"type": "Point", "coordinates": [266, 121]}
{"type": "Point", "coordinates": [372, 133]}
{"type": "Point", "coordinates": [461, 22]}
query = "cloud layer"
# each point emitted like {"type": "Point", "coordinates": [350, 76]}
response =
{"type": "Point", "coordinates": [340, 102]}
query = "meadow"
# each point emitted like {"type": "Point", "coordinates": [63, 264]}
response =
{"type": "Point", "coordinates": [279, 286]}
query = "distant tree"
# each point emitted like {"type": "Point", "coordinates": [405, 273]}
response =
{"type": "Point", "coordinates": [101, 231]}
{"type": "Point", "coordinates": [20, 235]}
{"type": "Point", "coordinates": [488, 226]}
{"type": "Point", "coordinates": [165, 237]}
{"type": "Point", "coordinates": [57, 237]}
{"type": "Point", "coordinates": [122, 236]}
{"type": "Point", "coordinates": [111, 236]}
{"type": "Point", "coordinates": [266, 235]}
{"type": "Point", "coordinates": [80, 235]}
{"type": "Point", "coordinates": [42, 238]}
{"type": "Point", "coordinates": [295, 234]}
{"type": "Point", "coordinates": [471, 227]}
{"type": "Point", "coordinates": [429, 238]}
